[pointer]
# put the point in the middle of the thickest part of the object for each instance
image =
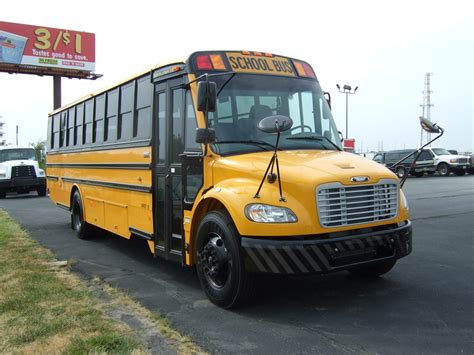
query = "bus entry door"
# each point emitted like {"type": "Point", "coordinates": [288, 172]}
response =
{"type": "Point", "coordinates": [168, 207]}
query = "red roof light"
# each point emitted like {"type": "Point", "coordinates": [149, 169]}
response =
{"type": "Point", "coordinates": [203, 62]}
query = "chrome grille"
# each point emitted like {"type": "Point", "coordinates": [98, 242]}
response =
{"type": "Point", "coordinates": [340, 205]}
{"type": "Point", "coordinates": [462, 161]}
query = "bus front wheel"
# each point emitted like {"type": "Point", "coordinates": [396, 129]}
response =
{"type": "Point", "coordinates": [219, 262]}
{"type": "Point", "coordinates": [82, 228]}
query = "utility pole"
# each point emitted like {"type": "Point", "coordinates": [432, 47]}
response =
{"type": "Point", "coordinates": [426, 105]}
{"type": "Point", "coordinates": [347, 89]}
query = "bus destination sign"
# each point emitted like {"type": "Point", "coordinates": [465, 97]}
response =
{"type": "Point", "coordinates": [243, 63]}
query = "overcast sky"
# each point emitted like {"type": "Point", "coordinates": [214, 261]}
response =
{"type": "Point", "coordinates": [384, 47]}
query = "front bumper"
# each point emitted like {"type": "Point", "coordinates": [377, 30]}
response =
{"type": "Point", "coordinates": [324, 255]}
{"type": "Point", "coordinates": [459, 166]}
{"type": "Point", "coordinates": [22, 182]}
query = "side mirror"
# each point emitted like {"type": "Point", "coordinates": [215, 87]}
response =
{"type": "Point", "coordinates": [429, 126]}
{"type": "Point", "coordinates": [205, 135]}
{"type": "Point", "coordinates": [275, 124]}
{"type": "Point", "coordinates": [207, 96]}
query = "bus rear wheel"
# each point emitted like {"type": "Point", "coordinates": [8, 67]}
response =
{"type": "Point", "coordinates": [82, 228]}
{"type": "Point", "coordinates": [219, 262]}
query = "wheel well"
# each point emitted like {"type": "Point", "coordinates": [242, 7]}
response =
{"type": "Point", "coordinates": [209, 204]}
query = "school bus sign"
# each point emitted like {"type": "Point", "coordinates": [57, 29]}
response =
{"type": "Point", "coordinates": [46, 51]}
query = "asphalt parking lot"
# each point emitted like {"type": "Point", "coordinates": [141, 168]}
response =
{"type": "Point", "coordinates": [424, 305]}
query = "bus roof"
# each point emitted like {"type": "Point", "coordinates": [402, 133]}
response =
{"type": "Point", "coordinates": [117, 84]}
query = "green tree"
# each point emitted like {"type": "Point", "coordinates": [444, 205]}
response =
{"type": "Point", "coordinates": [39, 148]}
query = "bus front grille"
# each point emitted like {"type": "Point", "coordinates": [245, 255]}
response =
{"type": "Point", "coordinates": [340, 205]}
{"type": "Point", "coordinates": [21, 171]}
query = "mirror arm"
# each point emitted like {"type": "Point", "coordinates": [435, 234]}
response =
{"type": "Point", "coordinates": [416, 157]}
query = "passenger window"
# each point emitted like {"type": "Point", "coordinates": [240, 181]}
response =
{"type": "Point", "coordinates": [110, 127]}
{"type": "Point", "coordinates": [98, 129]}
{"type": "Point", "coordinates": [125, 123]}
{"type": "Point", "coordinates": [63, 128]}
{"type": "Point", "coordinates": [142, 127]}
{"type": "Point", "coordinates": [70, 127]}
{"type": "Point", "coordinates": [78, 126]}
{"type": "Point", "coordinates": [89, 112]}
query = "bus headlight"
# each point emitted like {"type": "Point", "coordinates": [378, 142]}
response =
{"type": "Point", "coordinates": [3, 173]}
{"type": "Point", "coordinates": [41, 172]}
{"type": "Point", "coordinates": [269, 214]}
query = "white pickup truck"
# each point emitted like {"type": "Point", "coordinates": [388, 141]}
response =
{"type": "Point", "coordinates": [445, 162]}
{"type": "Point", "coordinates": [19, 171]}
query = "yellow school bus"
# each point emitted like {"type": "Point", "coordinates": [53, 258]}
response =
{"type": "Point", "coordinates": [229, 161]}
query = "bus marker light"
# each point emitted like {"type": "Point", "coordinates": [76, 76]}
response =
{"type": "Point", "coordinates": [217, 62]}
{"type": "Point", "coordinates": [203, 62]}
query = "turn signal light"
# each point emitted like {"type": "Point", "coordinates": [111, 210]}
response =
{"type": "Point", "coordinates": [304, 69]}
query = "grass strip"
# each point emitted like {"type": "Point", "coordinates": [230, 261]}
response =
{"type": "Point", "coordinates": [49, 310]}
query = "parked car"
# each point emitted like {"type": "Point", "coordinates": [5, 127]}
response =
{"type": "Point", "coordinates": [445, 162]}
{"type": "Point", "coordinates": [423, 164]}
{"type": "Point", "coordinates": [19, 171]}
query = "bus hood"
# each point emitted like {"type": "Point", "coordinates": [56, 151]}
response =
{"type": "Point", "coordinates": [303, 167]}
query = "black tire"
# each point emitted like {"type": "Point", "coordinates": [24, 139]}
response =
{"type": "Point", "coordinates": [41, 190]}
{"type": "Point", "coordinates": [82, 228]}
{"type": "Point", "coordinates": [374, 270]}
{"type": "Point", "coordinates": [3, 194]}
{"type": "Point", "coordinates": [460, 172]}
{"type": "Point", "coordinates": [443, 169]}
{"type": "Point", "coordinates": [400, 171]}
{"type": "Point", "coordinates": [219, 262]}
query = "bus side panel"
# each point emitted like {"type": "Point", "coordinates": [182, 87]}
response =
{"type": "Point", "coordinates": [116, 194]}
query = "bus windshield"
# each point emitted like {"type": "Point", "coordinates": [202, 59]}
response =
{"type": "Point", "coordinates": [17, 154]}
{"type": "Point", "coordinates": [245, 99]}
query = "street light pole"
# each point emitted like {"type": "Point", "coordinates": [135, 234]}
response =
{"type": "Point", "coordinates": [347, 89]}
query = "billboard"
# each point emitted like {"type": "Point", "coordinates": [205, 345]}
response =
{"type": "Point", "coordinates": [46, 50]}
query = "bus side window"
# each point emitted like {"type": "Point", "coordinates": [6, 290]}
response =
{"type": "Point", "coordinates": [70, 126]}
{"type": "Point", "coordinates": [142, 124]}
{"type": "Point", "coordinates": [98, 126]}
{"type": "Point", "coordinates": [78, 126]}
{"type": "Point", "coordinates": [55, 137]}
{"type": "Point", "coordinates": [110, 127]}
{"type": "Point", "coordinates": [62, 133]}
{"type": "Point", "coordinates": [87, 136]}
{"type": "Point", "coordinates": [125, 122]}
{"type": "Point", "coordinates": [49, 133]}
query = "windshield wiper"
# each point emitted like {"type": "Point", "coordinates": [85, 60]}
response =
{"type": "Point", "coordinates": [261, 144]}
{"type": "Point", "coordinates": [317, 138]}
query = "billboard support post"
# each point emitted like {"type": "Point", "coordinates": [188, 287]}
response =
{"type": "Point", "coordinates": [56, 91]}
